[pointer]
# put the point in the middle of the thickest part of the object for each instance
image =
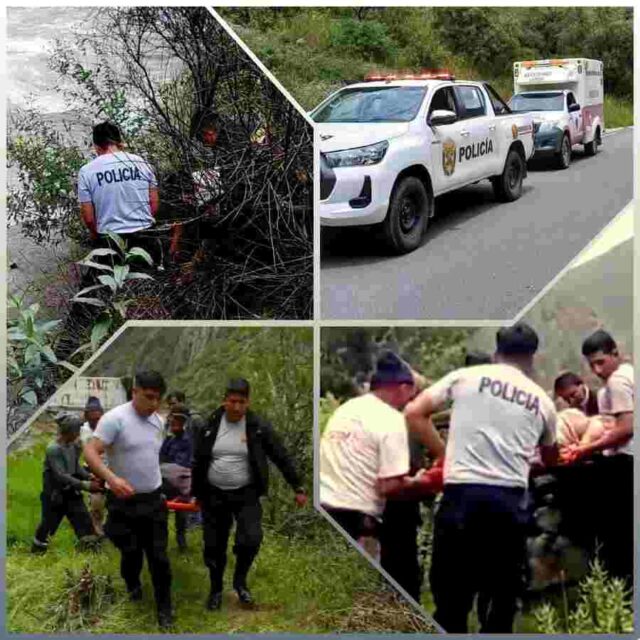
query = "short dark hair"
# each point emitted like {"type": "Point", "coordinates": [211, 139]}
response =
{"type": "Point", "coordinates": [150, 380]}
{"type": "Point", "coordinates": [177, 395]}
{"type": "Point", "coordinates": [566, 380]}
{"type": "Point", "coordinates": [518, 340]}
{"type": "Point", "coordinates": [599, 341]}
{"type": "Point", "coordinates": [237, 386]}
{"type": "Point", "coordinates": [474, 358]}
{"type": "Point", "coordinates": [106, 133]}
{"type": "Point", "coordinates": [180, 411]}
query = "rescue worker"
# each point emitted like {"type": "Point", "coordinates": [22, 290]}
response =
{"type": "Point", "coordinates": [615, 493]}
{"type": "Point", "coordinates": [118, 192]}
{"type": "Point", "coordinates": [364, 450]}
{"type": "Point", "coordinates": [194, 420]}
{"type": "Point", "coordinates": [499, 416]}
{"type": "Point", "coordinates": [63, 480]}
{"type": "Point", "coordinates": [230, 474]}
{"type": "Point", "coordinates": [571, 388]}
{"type": "Point", "coordinates": [92, 413]}
{"type": "Point", "coordinates": [176, 456]}
{"type": "Point", "coordinates": [132, 433]}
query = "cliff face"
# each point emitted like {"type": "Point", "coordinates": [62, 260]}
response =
{"type": "Point", "coordinates": [597, 294]}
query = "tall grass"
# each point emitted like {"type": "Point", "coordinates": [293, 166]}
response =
{"type": "Point", "coordinates": [617, 112]}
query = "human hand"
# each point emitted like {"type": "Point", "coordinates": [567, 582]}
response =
{"type": "Point", "coordinates": [95, 486]}
{"type": "Point", "coordinates": [121, 488]}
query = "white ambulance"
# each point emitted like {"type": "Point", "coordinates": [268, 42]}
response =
{"type": "Point", "coordinates": [566, 98]}
{"type": "Point", "coordinates": [391, 144]}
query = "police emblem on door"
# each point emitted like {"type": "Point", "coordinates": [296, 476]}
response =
{"type": "Point", "coordinates": [448, 157]}
{"type": "Point", "coordinates": [514, 131]}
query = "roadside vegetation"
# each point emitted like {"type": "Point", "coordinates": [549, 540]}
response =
{"type": "Point", "coordinates": [313, 52]}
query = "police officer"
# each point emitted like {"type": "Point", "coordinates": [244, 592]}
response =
{"type": "Point", "coordinates": [118, 192]}
{"type": "Point", "coordinates": [230, 474]}
{"type": "Point", "coordinates": [137, 519]}
{"type": "Point", "coordinates": [499, 416]}
{"type": "Point", "coordinates": [63, 480]}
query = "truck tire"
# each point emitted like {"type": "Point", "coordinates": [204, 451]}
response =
{"type": "Point", "coordinates": [591, 148]}
{"type": "Point", "coordinates": [563, 157]}
{"type": "Point", "coordinates": [508, 186]}
{"type": "Point", "coordinates": [407, 216]}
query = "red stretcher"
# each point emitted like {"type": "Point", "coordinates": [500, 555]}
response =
{"type": "Point", "coordinates": [177, 505]}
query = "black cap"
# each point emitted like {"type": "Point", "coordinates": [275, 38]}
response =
{"type": "Point", "coordinates": [520, 339]}
{"type": "Point", "coordinates": [93, 404]}
{"type": "Point", "coordinates": [391, 369]}
{"type": "Point", "coordinates": [68, 423]}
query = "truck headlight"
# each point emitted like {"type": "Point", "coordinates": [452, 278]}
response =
{"type": "Point", "coordinates": [361, 156]}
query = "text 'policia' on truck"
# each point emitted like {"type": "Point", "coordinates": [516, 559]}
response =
{"type": "Point", "coordinates": [566, 98]}
{"type": "Point", "coordinates": [391, 144]}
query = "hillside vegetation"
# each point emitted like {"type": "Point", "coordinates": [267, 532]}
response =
{"type": "Point", "coordinates": [313, 52]}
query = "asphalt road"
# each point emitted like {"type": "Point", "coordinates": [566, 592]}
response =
{"type": "Point", "coordinates": [481, 260]}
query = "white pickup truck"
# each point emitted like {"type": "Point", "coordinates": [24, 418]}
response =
{"type": "Point", "coordinates": [566, 98]}
{"type": "Point", "coordinates": [390, 145]}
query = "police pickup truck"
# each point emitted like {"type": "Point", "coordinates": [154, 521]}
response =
{"type": "Point", "coordinates": [391, 144]}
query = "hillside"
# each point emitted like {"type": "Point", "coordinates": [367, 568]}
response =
{"type": "Point", "coordinates": [314, 51]}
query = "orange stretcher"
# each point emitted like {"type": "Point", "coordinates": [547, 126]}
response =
{"type": "Point", "coordinates": [177, 505]}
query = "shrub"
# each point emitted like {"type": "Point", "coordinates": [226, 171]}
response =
{"type": "Point", "coordinates": [368, 38]}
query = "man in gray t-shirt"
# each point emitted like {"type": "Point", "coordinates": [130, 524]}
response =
{"type": "Point", "coordinates": [132, 435]}
{"type": "Point", "coordinates": [117, 191]}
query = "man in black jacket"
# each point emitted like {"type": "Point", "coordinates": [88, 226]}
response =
{"type": "Point", "coordinates": [230, 473]}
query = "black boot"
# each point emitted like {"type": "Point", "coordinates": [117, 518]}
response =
{"type": "Point", "coordinates": [244, 595]}
{"type": "Point", "coordinates": [214, 601]}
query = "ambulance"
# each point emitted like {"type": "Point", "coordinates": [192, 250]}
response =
{"type": "Point", "coordinates": [391, 144]}
{"type": "Point", "coordinates": [566, 98]}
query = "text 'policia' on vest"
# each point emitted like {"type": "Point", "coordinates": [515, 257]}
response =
{"type": "Point", "coordinates": [511, 393]}
{"type": "Point", "coordinates": [122, 174]}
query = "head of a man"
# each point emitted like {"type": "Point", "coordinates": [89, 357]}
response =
{"type": "Point", "coordinates": [236, 399]}
{"type": "Point", "coordinates": [571, 388]}
{"type": "Point", "coordinates": [147, 392]}
{"type": "Point", "coordinates": [105, 136]}
{"type": "Point", "coordinates": [93, 412]}
{"type": "Point", "coordinates": [68, 427]}
{"type": "Point", "coordinates": [208, 128]}
{"type": "Point", "coordinates": [517, 345]}
{"type": "Point", "coordinates": [175, 398]}
{"type": "Point", "coordinates": [474, 358]}
{"type": "Point", "coordinates": [178, 418]}
{"type": "Point", "coordinates": [393, 381]}
{"type": "Point", "coordinates": [601, 351]}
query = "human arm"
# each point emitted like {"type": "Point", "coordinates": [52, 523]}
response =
{"type": "Point", "coordinates": [617, 435]}
{"type": "Point", "coordinates": [87, 213]}
{"type": "Point", "coordinates": [418, 416]}
{"type": "Point", "coordinates": [278, 454]}
{"type": "Point", "coordinates": [154, 200]}
{"type": "Point", "coordinates": [93, 452]}
{"type": "Point", "coordinates": [58, 466]}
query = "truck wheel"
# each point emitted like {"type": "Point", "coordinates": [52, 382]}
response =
{"type": "Point", "coordinates": [591, 148]}
{"type": "Point", "coordinates": [508, 186]}
{"type": "Point", "coordinates": [563, 158]}
{"type": "Point", "coordinates": [408, 214]}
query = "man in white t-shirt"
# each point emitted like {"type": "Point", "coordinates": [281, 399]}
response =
{"type": "Point", "coordinates": [92, 413]}
{"type": "Point", "coordinates": [118, 191]}
{"type": "Point", "coordinates": [364, 450]}
{"type": "Point", "coordinates": [616, 399]}
{"type": "Point", "coordinates": [500, 416]}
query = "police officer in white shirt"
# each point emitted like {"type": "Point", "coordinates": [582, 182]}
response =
{"type": "Point", "coordinates": [499, 416]}
{"type": "Point", "coordinates": [118, 192]}
{"type": "Point", "coordinates": [615, 488]}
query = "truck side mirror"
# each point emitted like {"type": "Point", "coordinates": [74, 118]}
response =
{"type": "Point", "coordinates": [574, 107]}
{"type": "Point", "coordinates": [441, 116]}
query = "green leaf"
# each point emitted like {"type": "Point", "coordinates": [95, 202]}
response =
{"type": "Point", "coordinates": [48, 353]}
{"type": "Point", "coordinates": [118, 241]}
{"type": "Point", "coordinates": [109, 281]}
{"type": "Point", "coordinates": [31, 352]}
{"type": "Point", "coordinates": [81, 349]}
{"type": "Point", "coordinates": [16, 334]}
{"type": "Point", "coordinates": [34, 308]}
{"type": "Point", "coordinates": [93, 288]}
{"type": "Point", "coordinates": [92, 301]}
{"type": "Point", "coordinates": [136, 275]}
{"type": "Point", "coordinates": [101, 252]}
{"type": "Point", "coordinates": [29, 396]}
{"type": "Point", "coordinates": [13, 365]}
{"type": "Point", "coordinates": [139, 252]}
{"type": "Point", "coordinates": [45, 327]}
{"type": "Point", "coordinates": [100, 330]}
{"type": "Point", "coordinates": [14, 301]}
{"type": "Point", "coordinates": [121, 307]}
{"type": "Point", "coordinates": [95, 265]}
{"type": "Point", "coordinates": [120, 274]}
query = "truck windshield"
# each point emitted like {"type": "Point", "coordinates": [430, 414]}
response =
{"type": "Point", "coordinates": [546, 101]}
{"type": "Point", "coordinates": [372, 104]}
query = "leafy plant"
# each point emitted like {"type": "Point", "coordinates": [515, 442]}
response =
{"type": "Point", "coordinates": [113, 280]}
{"type": "Point", "coordinates": [30, 352]}
{"type": "Point", "coordinates": [604, 606]}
